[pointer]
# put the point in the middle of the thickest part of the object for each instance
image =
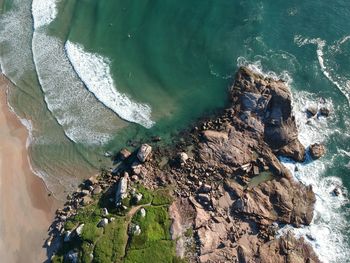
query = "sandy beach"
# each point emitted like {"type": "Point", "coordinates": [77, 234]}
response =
{"type": "Point", "coordinates": [26, 209]}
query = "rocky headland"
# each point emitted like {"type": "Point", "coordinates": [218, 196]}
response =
{"type": "Point", "coordinates": [224, 190]}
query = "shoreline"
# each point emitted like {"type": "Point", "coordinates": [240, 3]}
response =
{"type": "Point", "coordinates": [26, 209]}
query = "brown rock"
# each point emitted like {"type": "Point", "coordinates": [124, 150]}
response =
{"type": "Point", "coordinates": [97, 190]}
{"type": "Point", "coordinates": [280, 200]}
{"type": "Point", "coordinates": [287, 249]}
{"type": "Point", "coordinates": [317, 150]}
{"type": "Point", "coordinates": [92, 180]}
{"type": "Point", "coordinates": [294, 150]}
{"type": "Point", "coordinates": [232, 148]}
{"type": "Point", "coordinates": [124, 154]}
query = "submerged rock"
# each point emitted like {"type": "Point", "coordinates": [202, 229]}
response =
{"type": "Point", "coordinates": [311, 111]}
{"type": "Point", "coordinates": [324, 112]}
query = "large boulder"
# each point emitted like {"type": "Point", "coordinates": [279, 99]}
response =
{"type": "Point", "coordinates": [144, 152]}
{"type": "Point", "coordinates": [122, 188]}
{"type": "Point", "coordinates": [317, 150]}
{"type": "Point", "coordinates": [294, 150]}
{"type": "Point", "coordinates": [103, 222]}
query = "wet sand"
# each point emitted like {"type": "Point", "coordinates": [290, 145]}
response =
{"type": "Point", "coordinates": [26, 209]}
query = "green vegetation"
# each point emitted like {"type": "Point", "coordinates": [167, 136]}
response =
{"type": "Point", "coordinates": [154, 243]}
{"type": "Point", "coordinates": [111, 246]}
{"type": "Point", "coordinates": [162, 197]}
{"type": "Point", "coordinates": [112, 243]}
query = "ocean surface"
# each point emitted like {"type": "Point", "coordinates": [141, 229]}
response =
{"type": "Point", "coordinates": [91, 75]}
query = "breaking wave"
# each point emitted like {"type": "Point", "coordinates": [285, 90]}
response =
{"type": "Point", "coordinates": [94, 71]}
{"type": "Point", "coordinates": [44, 11]}
{"type": "Point", "coordinates": [341, 82]}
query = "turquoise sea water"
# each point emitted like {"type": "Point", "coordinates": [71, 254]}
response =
{"type": "Point", "coordinates": [92, 74]}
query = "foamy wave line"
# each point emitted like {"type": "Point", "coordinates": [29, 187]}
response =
{"type": "Point", "coordinates": [300, 41]}
{"type": "Point", "coordinates": [257, 67]}
{"type": "Point", "coordinates": [44, 11]}
{"type": "Point", "coordinates": [94, 71]}
{"type": "Point", "coordinates": [327, 232]}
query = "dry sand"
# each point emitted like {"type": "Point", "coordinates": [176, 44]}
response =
{"type": "Point", "coordinates": [26, 210]}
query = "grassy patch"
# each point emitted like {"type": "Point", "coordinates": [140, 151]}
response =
{"type": "Point", "coordinates": [110, 244]}
{"type": "Point", "coordinates": [91, 232]}
{"type": "Point", "coordinates": [154, 244]}
{"type": "Point", "coordinates": [162, 197]}
{"type": "Point", "coordinates": [154, 226]}
{"type": "Point", "coordinates": [156, 251]}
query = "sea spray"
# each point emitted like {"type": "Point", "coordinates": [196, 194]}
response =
{"type": "Point", "coordinates": [94, 70]}
{"type": "Point", "coordinates": [328, 231]}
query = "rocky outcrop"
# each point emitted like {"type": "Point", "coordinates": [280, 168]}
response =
{"type": "Point", "coordinates": [287, 249]}
{"type": "Point", "coordinates": [277, 201]}
{"type": "Point", "coordinates": [317, 150]}
{"type": "Point", "coordinates": [264, 105]}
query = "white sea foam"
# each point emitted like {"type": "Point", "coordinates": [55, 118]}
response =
{"type": "Point", "coordinates": [257, 67]}
{"type": "Point", "coordinates": [15, 40]}
{"type": "Point", "coordinates": [94, 70]}
{"type": "Point", "coordinates": [44, 11]}
{"type": "Point", "coordinates": [339, 81]}
{"type": "Point", "coordinates": [327, 232]}
{"type": "Point", "coordinates": [83, 118]}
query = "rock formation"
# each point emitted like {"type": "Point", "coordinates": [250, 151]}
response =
{"type": "Point", "coordinates": [231, 191]}
{"type": "Point", "coordinates": [317, 150]}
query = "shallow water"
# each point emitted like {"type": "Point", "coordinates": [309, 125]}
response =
{"type": "Point", "coordinates": [91, 75]}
